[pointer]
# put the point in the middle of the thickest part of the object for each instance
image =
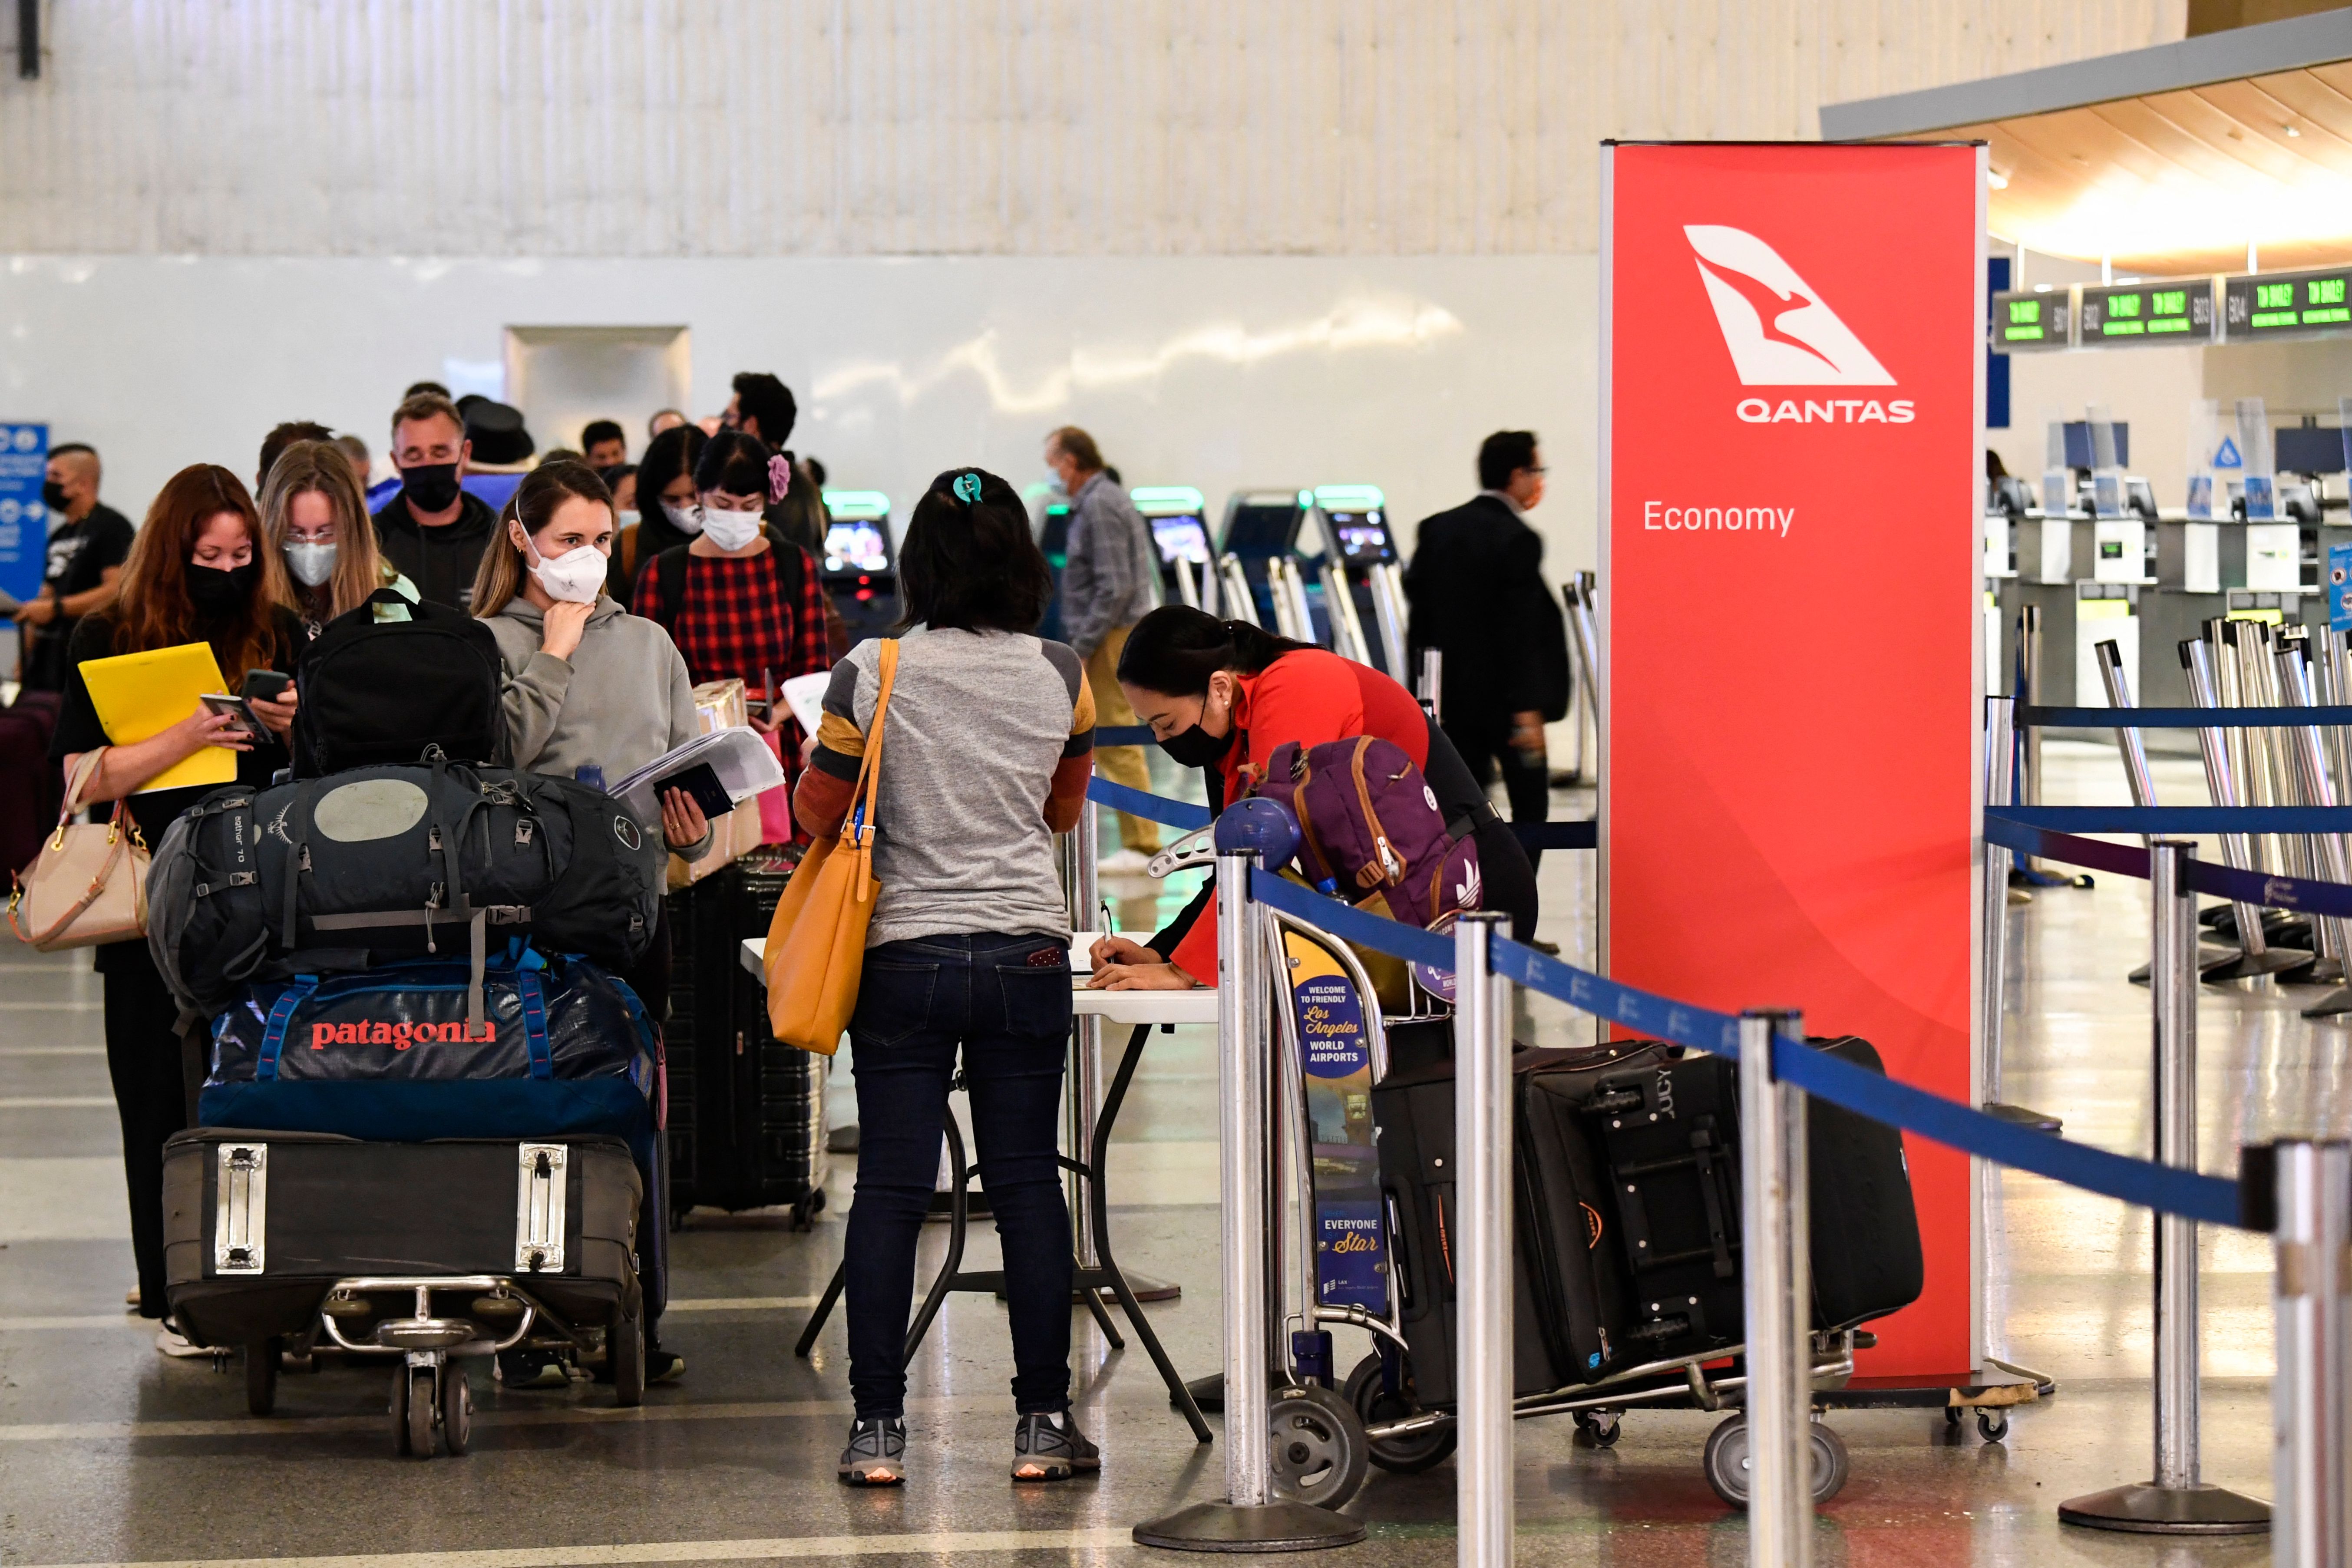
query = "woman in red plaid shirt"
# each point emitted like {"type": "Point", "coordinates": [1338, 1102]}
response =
{"type": "Point", "coordinates": [740, 604]}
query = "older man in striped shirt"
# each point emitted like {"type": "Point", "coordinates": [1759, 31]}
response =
{"type": "Point", "coordinates": [1106, 586]}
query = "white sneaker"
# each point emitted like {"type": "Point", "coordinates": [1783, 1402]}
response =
{"type": "Point", "coordinates": [1123, 863]}
{"type": "Point", "coordinates": [169, 1342]}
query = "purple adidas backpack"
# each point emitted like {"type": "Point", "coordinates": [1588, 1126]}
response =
{"type": "Point", "coordinates": [1372, 830]}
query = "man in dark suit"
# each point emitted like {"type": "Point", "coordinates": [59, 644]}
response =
{"type": "Point", "coordinates": [1478, 595]}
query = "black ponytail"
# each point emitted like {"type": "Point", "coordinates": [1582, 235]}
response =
{"type": "Point", "coordinates": [1175, 649]}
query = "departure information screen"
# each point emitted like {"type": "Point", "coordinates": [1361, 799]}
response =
{"type": "Point", "coordinates": [2274, 305]}
{"type": "Point", "coordinates": [2028, 321]}
{"type": "Point", "coordinates": [2163, 310]}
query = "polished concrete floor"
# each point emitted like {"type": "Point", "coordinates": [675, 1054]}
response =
{"type": "Point", "coordinates": [112, 1454]}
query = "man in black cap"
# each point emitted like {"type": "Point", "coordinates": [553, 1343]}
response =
{"type": "Point", "coordinates": [432, 530]}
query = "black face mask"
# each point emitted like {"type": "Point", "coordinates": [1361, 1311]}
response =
{"type": "Point", "coordinates": [217, 593]}
{"type": "Point", "coordinates": [432, 487]}
{"type": "Point", "coordinates": [1195, 747]}
{"type": "Point", "coordinates": [53, 495]}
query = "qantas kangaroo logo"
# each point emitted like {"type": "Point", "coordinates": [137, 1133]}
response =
{"type": "Point", "coordinates": [1778, 331]}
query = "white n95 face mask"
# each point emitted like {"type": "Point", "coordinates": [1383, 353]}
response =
{"type": "Point", "coordinates": [313, 564]}
{"type": "Point", "coordinates": [628, 518]}
{"type": "Point", "coordinates": [576, 576]}
{"type": "Point", "coordinates": [685, 519]}
{"type": "Point", "coordinates": [730, 530]}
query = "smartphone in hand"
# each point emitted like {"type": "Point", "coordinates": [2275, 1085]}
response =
{"type": "Point", "coordinates": [236, 709]}
{"type": "Point", "coordinates": [268, 685]}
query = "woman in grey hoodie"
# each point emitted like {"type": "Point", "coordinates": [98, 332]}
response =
{"type": "Point", "coordinates": [591, 691]}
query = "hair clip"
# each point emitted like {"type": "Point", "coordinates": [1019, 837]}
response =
{"type": "Point", "coordinates": [967, 487]}
{"type": "Point", "coordinates": [780, 477]}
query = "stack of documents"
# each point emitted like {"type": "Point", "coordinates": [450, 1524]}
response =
{"type": "Point", "coordinates": [720, 770]}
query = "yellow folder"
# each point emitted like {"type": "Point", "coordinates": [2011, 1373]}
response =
{"type": "Point", "coordinates": [142, 694]}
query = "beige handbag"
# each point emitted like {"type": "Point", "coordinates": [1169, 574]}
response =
{"type": "Point", "coordinates": [89, 883]}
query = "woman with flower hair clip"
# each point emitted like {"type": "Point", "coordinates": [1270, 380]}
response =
{"type": "Point", "coordinates": [740, 604]}
{"type": "Point", "coordinates": [987, 740]}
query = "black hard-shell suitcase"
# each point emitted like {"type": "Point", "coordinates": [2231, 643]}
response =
{"type": "Point", "coordinates": [257, 1226]}
{"type": "Point", "coordinates": [746, 1111]}
{"type": "Point", "coordinates": [1568, 1287]}
{"type": "Point", "coordinates": [1670, 1136]}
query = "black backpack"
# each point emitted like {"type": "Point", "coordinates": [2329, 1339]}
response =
{"type": "Point", "coordinates": [392, 691]}
{"type": "Point", "coordinates": [393, 862]}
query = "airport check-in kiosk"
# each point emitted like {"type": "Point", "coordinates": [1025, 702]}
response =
{"type": "Point", "coordinates": [1257, 557]}
{"type": "Point", "coordinates": [1362, 564]}
{"type": "Point", "coordinates": [859, 565]}
{"type": "Point", "coordinates": [1178, 516]}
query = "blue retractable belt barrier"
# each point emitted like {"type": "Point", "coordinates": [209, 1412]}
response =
{"type": "Point", "coordinates": [2182, 818]}
{"type": "Point", "coordinates": [2180, 717]}
{"type": "Point", "coordinates": [2209, 876]}
{"type": "Point", "coordinates": [1185, 815]}
{"type": "Point", "coordinates": [1150, 807]}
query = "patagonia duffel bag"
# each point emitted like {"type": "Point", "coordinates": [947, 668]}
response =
{"type": "Point", "coordinates": [394, 1054]}
{"type": "Point", "coordinates": [385, 863]}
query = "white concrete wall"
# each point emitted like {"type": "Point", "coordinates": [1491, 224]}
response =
{"type": "Point", "coordinates": [542, 128]}
{"type": "Point", "coordinates": [1222, 373]}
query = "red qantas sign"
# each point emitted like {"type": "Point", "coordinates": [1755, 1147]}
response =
{"type": "Point", "coordinates": [1790, 577]}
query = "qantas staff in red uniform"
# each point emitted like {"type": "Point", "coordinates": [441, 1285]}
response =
{"type": "Point", "coordinates": [1218, 693]}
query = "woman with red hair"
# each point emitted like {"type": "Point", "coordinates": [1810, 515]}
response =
{"type": "Point", "coordinates": [198, 571]}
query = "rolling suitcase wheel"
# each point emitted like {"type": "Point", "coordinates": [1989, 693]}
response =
{"type": "Point", "coordinates": [1726, 1459]}
{"type": "Point", "coordinates": [261, 1376]}
{"type": "Point", "coordinates": [1371, 1402]}
{"type": "Point", "coordinates": [624, 1352]}
{"type": "Point", "coordinates": [1598, 1427]}
{"type": "Point", "coordinates": [1316, 1446]}
{"type": "Point", "coordinates": [399, 1408]}
{"type": "Point", "coordinates": [456, 1408]}
{"type": "Point", "coordinates": [423, 1398]}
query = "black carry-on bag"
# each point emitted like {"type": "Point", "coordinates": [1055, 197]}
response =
{"type": "Point", "coordinates": [417, 1253]}
{"type": "Point", "coordinates": [746, 1111]}
{"type": "Point", "coordinates": [1669, 1136]}
{"type": "Point", "coordinates": [1570, 1287]}
{"type": "Point", "coordinates": [406, 690]}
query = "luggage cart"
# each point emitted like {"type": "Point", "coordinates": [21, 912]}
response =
{"type": "Point", "coordinates": [246, 1282]}
{"type": "Point", "coordinates": [1325, 1439]}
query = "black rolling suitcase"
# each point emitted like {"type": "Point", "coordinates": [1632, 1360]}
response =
{"type": "Point", "coordinates": [260, 1226]}
{"type": "Point", "coordinates": [1570, 1287]}
{"type": "Point", "coordinates": [746, 1111]}
{"type": "Point", "coordinates": [1670, 1137]}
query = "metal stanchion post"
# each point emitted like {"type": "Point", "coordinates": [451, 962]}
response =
{"type": "Point", "coordinates": [1249, 1518]}
{"type": "Point", "coordinates": [2001, 757]}
{"type": "Point", "coordinates": [2255, 956]}
{"type": "Point", "coordinates": [1432, 690]}
{"type": "Point", "coordinates": [1084, 1096]}
{"type": "Point", "coordinates": [2309, 750]}
{"type": "Point", "coordinates": [1777, 1296]}
{"type": "Point", "coordinates": [1481, 1144]}
{"type": "Point", "coordinates": [2312, 1520]}
{"type": "Point", "coordinates": [2175, 1502]}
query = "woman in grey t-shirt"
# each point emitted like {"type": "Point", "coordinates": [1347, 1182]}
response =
{"type": "Point", "coordinates": [987, 745]}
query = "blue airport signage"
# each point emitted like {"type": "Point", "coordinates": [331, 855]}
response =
{"type": "Point", "coordinates": [2339, 587]}
{"type": "Point", "coordinates": [24, 519]}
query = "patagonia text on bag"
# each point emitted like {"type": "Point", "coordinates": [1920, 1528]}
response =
{"type": "Point", "coordinates": [559, 1047]}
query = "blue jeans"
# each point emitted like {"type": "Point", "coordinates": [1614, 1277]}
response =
{"type": "Point", "coordinates": [1005, 1001]}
